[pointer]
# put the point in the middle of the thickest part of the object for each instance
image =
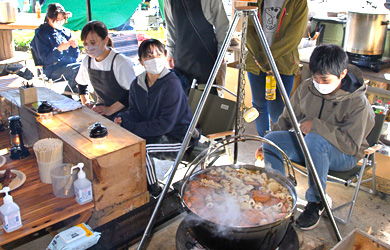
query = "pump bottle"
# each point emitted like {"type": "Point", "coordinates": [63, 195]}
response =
{"type": "Point", "coordinates": [10, 213]}
{"type": "Point", "coordinates": [82, 186]}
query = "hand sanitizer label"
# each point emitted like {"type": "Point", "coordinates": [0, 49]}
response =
{"type": "Point", "coordinates": [11, 221]}
{"type": "Point", "coordinates": [83, 195]}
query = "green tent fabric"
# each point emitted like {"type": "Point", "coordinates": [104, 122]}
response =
{"type": "Point", "coordinates": [161, 5]}
{"type": "Point", "coordinates": [113, 13]}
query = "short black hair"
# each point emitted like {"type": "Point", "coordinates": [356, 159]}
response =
{"type": "Point", "coordinates": [328, 59]}
{"type": "Point", "coordinates": [96, 26]}
{"type": "Point", "coordinates": [53, 10]}
{"type": "Point", "coordinates": [146, 44]}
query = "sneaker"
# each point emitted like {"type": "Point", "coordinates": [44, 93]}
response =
{"type": "Point", "coordinates": [311, 215]}
{"type": "Point", "coordinates": [154, 190]}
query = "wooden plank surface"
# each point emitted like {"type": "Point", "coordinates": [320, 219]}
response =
{"type": "Point", "coordinates": [28, 21]}
{"type": "Point", "coordinates": [38, 206]}
{"type": "Point", "coordinates": [119, 176]}
{"type": "Point", "coordinates": [79, 121]}
{"type": "Point", "coordinates": [6, 45]}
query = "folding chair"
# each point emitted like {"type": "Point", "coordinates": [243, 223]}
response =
{"type": "Point", "coordinates": [48, 81]}
{"type": "Point", "coordinates": [216, 122]}
{"type": "Point", "coordinates": [348, 178]}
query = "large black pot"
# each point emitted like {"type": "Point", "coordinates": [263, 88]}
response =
{"type": "Point", "coordinates": [263, 237]}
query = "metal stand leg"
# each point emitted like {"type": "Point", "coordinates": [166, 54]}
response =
{"type": "Point", "coordinates": [191, 128]}
{"type": "Point", "coordinates": [240, 11]}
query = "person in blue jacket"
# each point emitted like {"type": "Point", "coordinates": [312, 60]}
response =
{"type": "Point", "coordinates": [158, 108]}
{"type": "Point", "coordinates": [55, 48]}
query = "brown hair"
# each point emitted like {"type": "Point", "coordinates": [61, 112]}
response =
{"type": "Point", "coordinates": [53, 10]}
{"type": "Point", "coordinates": [99, 28]}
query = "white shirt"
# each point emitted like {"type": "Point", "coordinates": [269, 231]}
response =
{"type": "Point", "coordinates": [123, 69]}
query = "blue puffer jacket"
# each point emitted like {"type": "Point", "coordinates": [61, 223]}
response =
{"type": "Point", "coordinates": [44, 46]}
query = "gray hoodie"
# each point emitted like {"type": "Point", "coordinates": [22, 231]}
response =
{"type": "Point", "coordinates": [344, 118]}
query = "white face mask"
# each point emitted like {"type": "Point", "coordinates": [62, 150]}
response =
{"type": "Point", "coordinates": [58, 24]}
{"type": "Point", "coordinates": [94, 51]}
{"type": "Point", "coordinates": [326, 88]}
{"type": "Point", "coordinates": [155, 66]}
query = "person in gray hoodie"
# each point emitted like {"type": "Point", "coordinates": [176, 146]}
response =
{"type": "Point", "coordinates": [335, 117]}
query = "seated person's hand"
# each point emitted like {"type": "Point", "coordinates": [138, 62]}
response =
{"type": "Point", "coordinates": [72, 41]}
{"type": "Point", "coordinates": [118, 120]}
{"type": "Point", "coordinates": [64, 46]}
{"type": "Point", "coordinates": [103, 110]}
{"type": "Point", "coordinates": [259, 154]}
{"type": "Point", "coordinates": [306, 127]}
{"type": "Point", "coordinates": [89, 105]}
{"type": "Point", "coordinates": [171, 62]}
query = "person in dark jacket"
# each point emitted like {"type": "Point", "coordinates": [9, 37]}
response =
{"type": "Point", "coordinates": [335, 117]}
{"type": "Point", "coordinates": [158, 108]}
{"type": "Point", "coordinates": [54, 46]}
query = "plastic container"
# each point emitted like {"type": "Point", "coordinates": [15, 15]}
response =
{"type": "Point", "coordinates": [62, 180]}
{"type": "Point", "coordinates": [45, 168]}
{"type": "Point", "coordinates": [82, 186]}
{"type": "Point", "coordinates": [10, 213]}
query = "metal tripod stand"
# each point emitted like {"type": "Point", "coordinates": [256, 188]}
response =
{"type": "Point", "coordinates": [245, 12]}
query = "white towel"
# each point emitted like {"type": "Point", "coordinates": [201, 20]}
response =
{"type": "Point", "coordinates": [66, 105]}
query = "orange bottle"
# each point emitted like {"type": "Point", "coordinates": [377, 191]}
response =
{"type": "Point", "coordinates": [38, 10]}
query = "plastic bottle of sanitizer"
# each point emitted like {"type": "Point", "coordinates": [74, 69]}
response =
{"type": "Point", "coordinates": [82, 186]}
{"type": "Point", "coordinates": [10, 213]}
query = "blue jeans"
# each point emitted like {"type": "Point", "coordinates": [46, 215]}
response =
{"type": "Point", "coordinates": [325, 157]}
{"type": "Point", "coordinates": [267, 108]}
{"type": "Point", "coordinates": [69, 71]}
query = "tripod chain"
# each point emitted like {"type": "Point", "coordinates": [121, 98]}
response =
{"type": "Point", "coordinates": [241, 97]}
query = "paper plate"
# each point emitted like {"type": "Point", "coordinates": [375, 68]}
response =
{"type": "Point", "coordinates": [2, 161]}
{"type": "Point", "coordinates": [17, 181]}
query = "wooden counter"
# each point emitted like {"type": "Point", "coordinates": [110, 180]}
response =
{"type": "Point", "coordinates": [111, 168]}
{"type": "Point", "coordinates": [39, 207]}
{"type": "Point", "coordinates": [117, 171]}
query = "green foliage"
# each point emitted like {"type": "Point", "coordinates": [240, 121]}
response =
{"type": "Point", "coordinates": [23, 38]}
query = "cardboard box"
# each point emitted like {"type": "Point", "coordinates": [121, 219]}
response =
{"type": "Point", "coordinates": [232, 82]}
{"type": "Point", "coordinates": [358, 239]}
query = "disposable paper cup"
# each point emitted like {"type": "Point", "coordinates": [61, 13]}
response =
{"type": "Point", "coordinates": [62, 180]}
{"type": "Point", "coordinates": [45, 168]}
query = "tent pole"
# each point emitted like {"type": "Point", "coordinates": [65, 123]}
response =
{"type": "Point", "coordinates": [89, 13]}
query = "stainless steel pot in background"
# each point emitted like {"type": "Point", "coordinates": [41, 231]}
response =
{"type": "Point", "coordinates": [365, 33]}
{"type": "Point", "coordinates": [7, 12]}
